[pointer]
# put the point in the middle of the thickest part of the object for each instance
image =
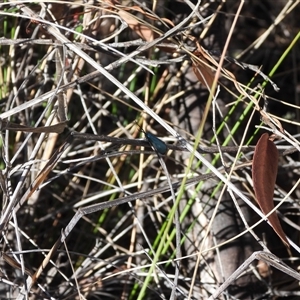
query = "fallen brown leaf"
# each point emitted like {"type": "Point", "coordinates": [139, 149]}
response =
{"type": "Point", "coordinates": [264, 173]}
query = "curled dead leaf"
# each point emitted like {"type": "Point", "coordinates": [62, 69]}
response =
{"type": "Point", "coordinates": [202, 69]}
{"type": "Point", "coordinates": [264, 173]}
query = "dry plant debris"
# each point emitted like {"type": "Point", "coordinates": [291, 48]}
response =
{"type": "Point", "coordinates": [89, 209]}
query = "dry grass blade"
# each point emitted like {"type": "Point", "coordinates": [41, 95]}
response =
{"type": "Point", "coordinates": [15, 205]}
{"type": "Point", "coordinates": [15, 264]}
{"type": "Point", "coordinates": [56, 128]}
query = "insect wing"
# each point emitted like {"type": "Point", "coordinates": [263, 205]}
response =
{"type": "Point", "coordinates": [157, 143]}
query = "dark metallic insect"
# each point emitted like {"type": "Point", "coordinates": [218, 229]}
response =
{"type": "Point", "coordinates": [157, 144]}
